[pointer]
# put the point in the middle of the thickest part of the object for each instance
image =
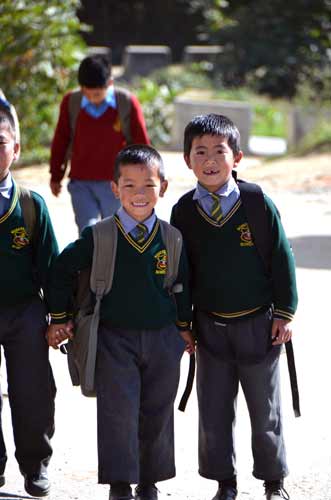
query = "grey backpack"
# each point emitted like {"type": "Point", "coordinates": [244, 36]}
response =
{"type": "Point", "coordinates": [93, 284]}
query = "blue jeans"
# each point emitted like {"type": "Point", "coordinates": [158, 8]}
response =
{"type": "Point", "coordinates": [91, 201]}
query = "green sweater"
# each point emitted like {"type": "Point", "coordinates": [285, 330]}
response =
{"type": "Point", "coordinates": [228, 275]}
{"type": "Point", "coordinates": [137, 299]}
{"type": "Point", "coordinates": [25, 266]}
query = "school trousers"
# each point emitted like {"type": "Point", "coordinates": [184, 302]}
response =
{"type": "Point", "coordinates": [137, 375]}
{"type": "Point", "coordinates": [230, 354]}
{"type": "Point", "coordinates": [31, 387]}
{"type": "Point", "coordinates": [91, 201]}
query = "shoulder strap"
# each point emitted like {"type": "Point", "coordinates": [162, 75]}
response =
{"type": "Point", "coordinates": [104, 254]}
{"type": "Point", "coordinates": [254, 205]}
{"type": "Point", "coordinates": [123, 100]}
{"type": "Point", "coordinates": [173, 241]}
{"type": "Point", "coordinates": [29, 210]}
{"type": "Point", "coordinates": [75, 99]}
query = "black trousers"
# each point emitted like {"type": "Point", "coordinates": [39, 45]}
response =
{"type": "Point", "coordinates": [137, 377]}
{"type": "Point", "coordinates": [31, 387]}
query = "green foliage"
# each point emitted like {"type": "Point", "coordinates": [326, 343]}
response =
{"type": "Point", "coordinates": [318, 140]}
{"type": "Point", "coordinates": [40, 48]}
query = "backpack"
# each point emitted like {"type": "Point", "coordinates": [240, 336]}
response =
{"type": "Point", "coordinates": [93, 284]}
{"type": "Point", "coordinates": [252, 198]}
{"type": "Point", "coordinates": [123, 101]}
{"type": "Point", "coordinates": [29, 211]}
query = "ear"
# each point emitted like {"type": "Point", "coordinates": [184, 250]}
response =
{"type": "Point", "coordinates": [237, 158]}
{"type": "Point", "coordinates": [187, 160]}
{"type": "Point", "coordinates": [115, 189]}
{"type": "Point", "coordinates": [17, 150]}
{"type": "Point", "coordinates": [163, 188]}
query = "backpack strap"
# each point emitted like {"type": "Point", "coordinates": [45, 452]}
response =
{"type": "Point", "coordinates": [74, 102]}
{"type": "Point", "coordinates": [254, 205]}
{"type": "Point", "coordinates": [124, 106]}
{"type": "Point", "coordinates": [173, 242]}
{"type": "Point", "coordinates": [29, 211]}
{"type": "Point", "coordinates": [101, 279]}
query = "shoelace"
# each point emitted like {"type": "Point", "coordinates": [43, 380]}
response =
{"type": "Point", "coordinates": [279, 489]}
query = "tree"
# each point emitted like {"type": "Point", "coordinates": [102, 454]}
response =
{"type": "Point", "coordinates": [274, 45]}
{"type": "Point", "coordinates": [40, 46]}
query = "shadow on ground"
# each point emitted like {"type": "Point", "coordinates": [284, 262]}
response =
{"type": "Point", "coordinates": [313, 252]}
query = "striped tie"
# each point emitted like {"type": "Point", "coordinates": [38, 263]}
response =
{"type": "Point", "coordinates": [142, 232]}
{"type": "Point", "coordinates": [216, 210]}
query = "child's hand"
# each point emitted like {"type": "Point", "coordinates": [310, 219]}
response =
{"type": "Point", "coordinates": [56, 334]}
{"type": "Point", "coordinates": [190, 342]}
{"type": "Point", "coordinates": [281, 331]}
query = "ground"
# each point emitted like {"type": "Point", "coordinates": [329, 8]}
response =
{"type": "Point", "coordinates": [301, 188]}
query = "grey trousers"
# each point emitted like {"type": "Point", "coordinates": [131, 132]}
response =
{"type": "Point", "coordinates": [137, 375]}
{"type": "Point", "coordinates": [227, 355]}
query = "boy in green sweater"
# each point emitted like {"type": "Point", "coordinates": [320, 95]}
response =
{"type": "Point", "coordinates": [243, 314]}
{"type": "Point", "coordinates": [142, 335]}
{"type": "Point", "coordinates": [25, 263]}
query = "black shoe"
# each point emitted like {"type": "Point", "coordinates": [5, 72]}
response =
{"type": "Point", "coordinates": [274, 490]}
{"type": "Point", "coordinates": [226, 493]}
{"type": "Point", "coordinates": [120, 491]}
{"type": "Point", "coordinates": [146, 492]}
{"type": "Point", "coordinates": [37, 485]}
{"type": "Point", "coordinates": [2, 480]}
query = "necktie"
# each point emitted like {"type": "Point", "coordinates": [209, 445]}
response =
{"type": "Point", "coordinates": [142, 232]}
{"type": "Point", "coordinates": [216, 210]}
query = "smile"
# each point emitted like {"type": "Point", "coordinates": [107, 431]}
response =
{"type": "Point", "coordinates": [139, 205]}
{"type": "Point", "coordinates": [211, 172]}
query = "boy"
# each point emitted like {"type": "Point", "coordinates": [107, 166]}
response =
{"type": "Point", "coordinates": [94, 140]}
{"type": "Point", "coordinates": [243, 316]}
{"type": "Point", "coordinates": [139, 346]}
{"type": "Point", "coordinates": [25, 262]}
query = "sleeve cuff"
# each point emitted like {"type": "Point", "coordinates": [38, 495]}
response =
{"type": "Point", "coordinates": [281, 314]}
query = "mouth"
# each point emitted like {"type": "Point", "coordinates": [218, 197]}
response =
{"type": "Point", "coordinates": [211, 172]}
{"type": "Point", "coordinates": [139, 204]}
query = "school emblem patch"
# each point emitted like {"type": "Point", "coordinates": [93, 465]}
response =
{"type": "Point", "coordinates": [20, 238]}
{"type": "Point", "coordinates": [117, 125]}
{"type": "Point", "coordinates": [161, 262]}
{"type": "Point", "coordinates": [245, 235]}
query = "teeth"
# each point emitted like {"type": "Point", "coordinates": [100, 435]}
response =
{"type": "Point", "coordinates": [139, 204]}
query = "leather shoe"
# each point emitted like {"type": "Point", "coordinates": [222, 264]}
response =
{"type": "Point", "coordinates": [2, 480]}
{"type": "Point", "coordinates": [146, 492]}
{"type": "Point", "coordinates": [226, 493]}
{"type": "Point", "coordinates": [120, 491]}
{"type": "Point", "coordinates": [37, 485]}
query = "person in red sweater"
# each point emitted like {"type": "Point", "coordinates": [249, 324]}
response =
{"type": "Point", "coordinates": [97, 137]}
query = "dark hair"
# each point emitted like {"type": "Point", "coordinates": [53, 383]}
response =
{"type": "Point", "coordinates": [211, 124]}
{"type": "Point", "coordinates": [6, 116]}
{"type": "Point", "coordinates": [139, 154]}
{"type": "Point", "coordinates": [94, 71]}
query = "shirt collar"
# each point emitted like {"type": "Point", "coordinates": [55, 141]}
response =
{"type": "Point", "coordinates": [109, 101]}
{"type": "Point", "coordinates": [6, 186]}
{"type": "Point", "coordinates": [225, 190]}
{"type": "Point", "coordinates": [129, 223]}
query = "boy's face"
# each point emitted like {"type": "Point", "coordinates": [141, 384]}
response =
{"type": "Point", "coordinates": [96, 95]}
{"type": "Point", "coordinates": [139, 188]}
{"type": "Point", "coordinates": [212, 161]}
{"type": "Point", "coordinates": [9, 150]}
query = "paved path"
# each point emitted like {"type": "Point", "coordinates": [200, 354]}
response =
{"type": "Point", "coordinates": [307, 218]}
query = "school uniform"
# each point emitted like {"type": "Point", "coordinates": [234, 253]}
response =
{"type": "Point", "coordinates": [139, 351]}
{"type": "Point", "coordinates": [25, 264]}
{"type": "Point", "coordinates": [235, 302]}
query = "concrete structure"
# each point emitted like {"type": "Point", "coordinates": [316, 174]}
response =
{"type": "Point", "coordinates": [303, 120]}
{"type": "Point", "coordinates": [93, 50]}
{"type": "Point", "coordinates": [185, 109]}
{"type": "Point", "coordinates": [143, 59]}
{"type": "Point", "coordinates": [202, 53]}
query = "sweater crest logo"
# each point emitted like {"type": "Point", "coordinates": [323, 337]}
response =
{"type": "Point", "coordinates": [161, 262]}
{"type": "Point", "coordinates": [20, 238]}
{"type": "Point", "coordinates": [245, 235]}
{"type": "Point", "coordinates": [117, 125]}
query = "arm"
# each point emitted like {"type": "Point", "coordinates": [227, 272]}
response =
{"type": "Point", "coordinates": [60, 143]}
{"type": "Point", "coordinates": [138, 127]}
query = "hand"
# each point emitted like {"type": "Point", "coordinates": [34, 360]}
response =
{"type": "Point", "coordinates": [189, 340]}
{"type": "Point", "coordinates": [56, 334]}
{"type": "Point", "coordinates": [281, 331]}
{"type": "Point", "coordinates": [56, 187]}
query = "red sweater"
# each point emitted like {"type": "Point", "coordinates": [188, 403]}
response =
{"type": "Point", "coordinates": [96, 143]}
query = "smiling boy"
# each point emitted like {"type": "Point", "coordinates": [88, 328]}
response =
{"type": "Point", "coordinates": [143, 332]}
{"type": "Point", "coordinates": [243, 314]}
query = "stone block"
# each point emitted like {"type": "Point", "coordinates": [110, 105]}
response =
{"type": "Point", "coordinates": [104, 51]}
{"type": "Point", "coordinates": [202, 53]}
{"type": "Point", "coordinates": [185, 109]}
{"type": "Point", "coordinates": [143, 59]}
{"type": "Point", "coordinates": [303, 120]}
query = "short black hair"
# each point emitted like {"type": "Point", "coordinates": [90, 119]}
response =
{"type": "Point", "coordinates": [211, 124]}
{"type": "Point", "coordinates": [139, 154]}
{"type": "Point", "coordinates": [94, 71]}
{"type": "Point", "coordinates": [6, 116]}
